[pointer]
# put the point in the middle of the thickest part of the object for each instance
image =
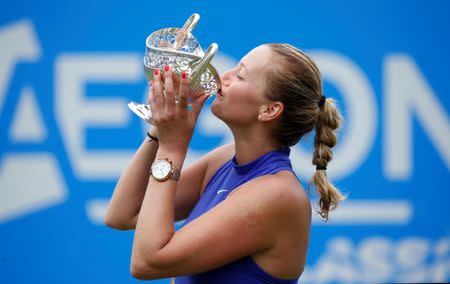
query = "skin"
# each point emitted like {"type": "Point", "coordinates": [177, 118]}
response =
{"type": "Point", "coordinates": [267, 218]}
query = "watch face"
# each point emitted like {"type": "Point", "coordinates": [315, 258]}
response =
{"type": "Point", "coordinates": [161, 169]}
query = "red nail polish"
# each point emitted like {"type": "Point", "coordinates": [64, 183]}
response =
{"type": "Point", "coordinates": [183, 75]}
{"type": "Point", "coordinates": [156, 72]}
{"type": "Point", "coordinates": [166, 68]}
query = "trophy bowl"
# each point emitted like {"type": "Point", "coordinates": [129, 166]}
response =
{"type": "Point", "coordinates": [180, 50]}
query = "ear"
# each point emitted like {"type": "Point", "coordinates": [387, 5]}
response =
{"type": "Point", "coordinates": [270, 111]}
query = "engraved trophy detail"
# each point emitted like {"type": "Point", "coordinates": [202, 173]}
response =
{"type": "Point", "coordinates": [179, 49]}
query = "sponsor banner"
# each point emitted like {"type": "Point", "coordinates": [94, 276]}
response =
{"type": "Point", "coordinates": [69, 68]}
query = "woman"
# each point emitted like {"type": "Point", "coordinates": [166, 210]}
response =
{"type": "Point", "coordinates": [248, 217]}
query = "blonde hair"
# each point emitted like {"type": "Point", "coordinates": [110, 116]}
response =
{"type": "Point", "coordinates": [295, 80]}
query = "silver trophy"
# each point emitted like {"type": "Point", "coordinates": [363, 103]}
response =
{"type": "Point", "coordinates": [179, 49]}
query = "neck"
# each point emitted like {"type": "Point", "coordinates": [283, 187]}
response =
{"type": "Point", "coordinates": [251, 143]}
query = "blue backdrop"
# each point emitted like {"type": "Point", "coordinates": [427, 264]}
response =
{"type": "Point", "coordinates": [68, 69]}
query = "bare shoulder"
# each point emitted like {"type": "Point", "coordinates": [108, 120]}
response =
{"type": "Point", "coordinates": [224, 152]}
{"type": "Point", "coordinates": [280, 195]}
{"type": "Point", "coordinates": [283, 205]}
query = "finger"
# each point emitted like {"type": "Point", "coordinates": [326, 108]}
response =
{"type": "Point", "coordinates": [151, 95]}
{"type": "Point", "coordinates": [157, 88]}
{"type": "Point", "coordinates": [150, 90]}
{"type": "Point", "coordinates": [198, 104]}
{"type": "Point", "coordinates": [184, 92]}
{"type": "Point", "coordinates": [168, 88]}
{"type": "Point", "coordinates": [162, 77]}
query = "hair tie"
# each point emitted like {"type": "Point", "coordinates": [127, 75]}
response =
{"type": "Point", "coordinates": [322, 101]}
{"type": "Point", "coordinates": [321, 168]}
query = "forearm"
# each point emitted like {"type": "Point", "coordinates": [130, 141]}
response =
{"type": "Point", "coordinates": [130, 189]}
{"type": "Point", "coordinates": [155, 225]}
{"type": "Point", "coordinates": [175, 123]}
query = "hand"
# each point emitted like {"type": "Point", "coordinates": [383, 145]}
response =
{"type": "Point", "coordinates": [175, 123]}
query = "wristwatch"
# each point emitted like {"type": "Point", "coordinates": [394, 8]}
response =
{"type": "Point", "coordinates": [163, 169]}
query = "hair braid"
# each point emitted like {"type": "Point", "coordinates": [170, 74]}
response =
{"type": "Point", "coordinates": [328, 120]}
{"type": "Point", "coordinates": [295, 80]}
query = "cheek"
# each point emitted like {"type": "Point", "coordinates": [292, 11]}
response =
{"type": "Point", "coordinates": [234, 110]}
{"type": "Point", "coordinates": [240, 103]}
{"type": "Point", "coordinates": [243, 92]}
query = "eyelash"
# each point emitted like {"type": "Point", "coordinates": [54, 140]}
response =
{"type": "Point", "coordinates": [239, 77]}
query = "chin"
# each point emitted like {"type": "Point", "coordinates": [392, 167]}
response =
{"type": "Point", "coordinates": [214, 108]}
{"type": "Point", "coordinates": [217, 109]}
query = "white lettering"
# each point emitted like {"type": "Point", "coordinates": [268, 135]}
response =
{"type": "Point", "coordinates": [29, 182]}
{"type": "Point", "coordinates": [75, 112]}
{"type": "Point", "coordinates": [28, 124]}
{"type": "Point", "coordinates": [374, 254]}
{"type": "Point", "coordinates": [381, 260]}
{"type": "Point", "coordinates": [19, 43]}
{"type": "Point", "coordinates": [360, 122]}
{"type": "Point", "coordinates": [407, 93]}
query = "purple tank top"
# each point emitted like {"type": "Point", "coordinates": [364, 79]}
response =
{"type": "Point", "coordinates": [224, 181]}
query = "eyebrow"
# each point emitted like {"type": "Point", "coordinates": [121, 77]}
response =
{"type": "Point", "coordinates": [243, 66]}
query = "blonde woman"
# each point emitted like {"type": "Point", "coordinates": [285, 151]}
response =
{"type": "Point", "coordinates": [247, 217]}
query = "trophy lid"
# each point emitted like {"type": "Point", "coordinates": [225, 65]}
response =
{"type": "Point", "coordinates": [178, 48]}
{"type": "Point", "coordinates": [176, 39]}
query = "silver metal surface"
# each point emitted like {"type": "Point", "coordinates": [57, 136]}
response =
{"type": "Point", "coordinates": [179, 49]}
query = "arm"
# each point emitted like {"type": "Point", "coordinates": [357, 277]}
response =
{"type": "Point", "coordinates": [194, 179]}
{"type": "Point", "coordinates": [126, 202]}
{"type": "Point", "coordinates": [258, 212]}
{"type": "Point", "coordinates": [127, 198]}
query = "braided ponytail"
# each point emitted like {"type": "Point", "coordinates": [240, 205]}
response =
{"type": "Point", "coordinates": [328, 120]}
{"type": "Point", "coordinates": [294, 80]}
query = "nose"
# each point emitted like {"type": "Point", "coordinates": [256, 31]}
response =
{"type": "Point", "coordinates": [225, 77]}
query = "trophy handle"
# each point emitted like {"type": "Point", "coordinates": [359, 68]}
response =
{"type": "Point", "coordinates": [202, 64]}
{"type": "Point", "coordinates": [190, 24]}
{"type": "Point", "coordinates": [142, 110]}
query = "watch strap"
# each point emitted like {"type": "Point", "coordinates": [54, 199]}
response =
{"type": "Point", "coordinates": [176, 173]}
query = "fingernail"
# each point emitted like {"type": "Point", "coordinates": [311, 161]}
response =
{"type": "Point", "coordinates": [183, 75]}
{"type": "Point", "coordinates": [156, 72]}
{"type": "Point", "coordinates": [166, 68]}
